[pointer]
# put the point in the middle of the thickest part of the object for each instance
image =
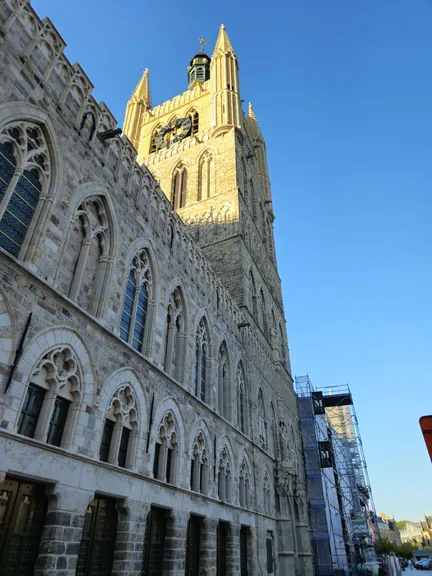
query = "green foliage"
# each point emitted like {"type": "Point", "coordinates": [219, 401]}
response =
{"type": "Point", "coordinates": [400, 524]}
{"type": "Point", "coordinates": [384, 546]}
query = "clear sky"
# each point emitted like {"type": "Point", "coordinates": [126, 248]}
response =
{"type": "Point", "coordinates": [342, 90]}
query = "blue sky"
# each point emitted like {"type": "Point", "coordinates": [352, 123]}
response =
{"type": "Point", "coordinates": [342, 90]}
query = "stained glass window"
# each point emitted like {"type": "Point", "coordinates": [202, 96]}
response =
{"type": "Point", "coordinates": [128, 306]}
{"type": "Point", "coordinates": [22, 194]}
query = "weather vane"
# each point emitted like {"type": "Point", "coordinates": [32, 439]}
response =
{"type": "Point", "coordinates": [202, 42]}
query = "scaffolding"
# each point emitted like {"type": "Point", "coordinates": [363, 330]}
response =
{"type": "Point", "coordinates": [330, 428]}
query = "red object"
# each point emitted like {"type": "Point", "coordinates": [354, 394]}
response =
{"type": "Point", "coordinates": [426, 428]}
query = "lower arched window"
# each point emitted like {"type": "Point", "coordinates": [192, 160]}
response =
{"type": "Point", "coordinates": [120, 432]}
{"type": "Point", "coordinates": [244, 485]}
{"type": "Point", "coordinates": [53, 399]}
{"type": "Point", "coordinates": [224, 476]}
{"type": "Point", "coordinates": [199, 465]}
{"type": "Point", "coordinates": [166, 456]}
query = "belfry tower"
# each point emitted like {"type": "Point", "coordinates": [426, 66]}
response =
{"type": "Point", "coordinates": [209, 157]}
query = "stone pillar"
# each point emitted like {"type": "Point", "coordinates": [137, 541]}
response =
{"type": "Point", "coordinates": [286, 530]}
{"type": "Point", "coordinates": [61, 535]}
{"type": "Point", "coordinates": [233, 550]}
{"type": "Point", "coordinates": [252, 551]}
{"type": "Point", "coordinates": [129, 547]}
{"type": "Point", "coordinates": [175, 544]}
{"type": "Point", "coordinates": [208, 547]}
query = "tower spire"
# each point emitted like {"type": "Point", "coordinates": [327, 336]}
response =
{"type": "Point", "coordinates": [225, 85]}
{"type": "Point", "coordinates": [223, 43]}
{"type": "Point", "coordinates": [139, 103]}
{"type": "Point", "coordinates": [252, 120]}
{"type": "Point", "coordinates": [142, 91]}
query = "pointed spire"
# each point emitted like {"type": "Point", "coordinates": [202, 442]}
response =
{"type": "Point", "coordinates": [142, 91]}
{"type": "Point", "coordinates": [251, 112]}
{"type": "Point", "coordinates": [253, 122]}
{"type": "Point", "coordinates": [223, 43]}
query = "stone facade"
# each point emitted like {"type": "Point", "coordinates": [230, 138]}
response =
{"type": "Point", "coordinates": [143, 355]}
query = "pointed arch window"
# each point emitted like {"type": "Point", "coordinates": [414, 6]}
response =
{"type": "Point", "coordinates": [206, 176]}
{"type": "Point", "coordinates": [224, 400]}
{"type": "Point", "coordinates": [263, 311]}
{"type": "Point", "coordinates": [153, 141]}
{"type": "Point", "coordinates": [267, 493]}
{"type": "Point", "coordinates": [92, 231]}
{"type": "Point", "coordinates": [241, 399]}
{"type": "Point", "coordinates": [165, 463]}
{"type": "Point", "coordinates": [24, 177]}
{"type": "Point", "coordinates": [253, 296]}
{"type": "Point", "coordinates": [179, 187]}
{"type": "Point", "coordinates": [262, 424]}
{"type": "Point", "coordinates": [244, 485]}
{"type": "Point", "coordinates": [53, 399]}
{"type": "Point", "coordinates": [120, 433]}
{"type": "Point", "coordinates": [136, 301]}
{"type": "Point", "coordinates": [283, 347]}
{"type": "Point", "coordinates": [224, 476]}
{"type": "Point", "coordinates": [274, 432]}
{"type": "Point", "coordinates": [194, 118]}
{"type": "Point", "coordinates": [199, 465]}
{"type": "Point", "coordinates": [175, 336]}
{"type": "Point", "coordinates": [201, 360]}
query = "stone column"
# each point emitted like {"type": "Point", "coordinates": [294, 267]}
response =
{"type": "Point", "coordinates": [129, 546]}
{"type": "Point", "coordinates": [175, 544]}
{"type": "Point", "coordinates": [61, 535]}
{"type": "Point", "coordinates": [233, 550]}
{"type": "Point", "coordinates": [286, 530]}
{"type": "Point", "coordinates": [208, 547]}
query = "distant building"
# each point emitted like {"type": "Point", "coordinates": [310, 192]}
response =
{"type": "Point", "coordinates": [388, 529]}
{"type": "Point", "coordinates": [417, 532]}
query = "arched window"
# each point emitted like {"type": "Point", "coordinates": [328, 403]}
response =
{"type": "Point", "coordinates": [224, 399]}
{"type": "Point", "coordinates": [175, 336]}
{"type": "Point", "coordinates": [165, 463]}
{"type": "Point", "coordinates": [263, 314]}
{"type": "Point", "coordinates": [53, 399]}
{"type": "Point", "coordinates": [24, 176]}
{"type": "Point", "coordinates": [262, 424]}
{"type": "Point", "coordinates": [201, 360]}
{"type": "Point", "coordinates": [199, 465]}
{"type": "Point", "coordinates": [253, 296]}
{"type": "Point", "coordinates": [206, 176]}
{"type": "Point", "coordinates": [135, 304]}
{"type": "Point", "coordinates": [274, 432]}
{"type": "Point", "coordinates": [91, 239]}
{"type": "Point", "coordinates": [120, 433]}
{"type": "Point", "coordinates": [194, 118]}
{"type": "Point", "coordinates": [179, 187]}
{"type": "Point", "coordinates": [244, 485]}
{"type": "Point", "coordinates": [224, 476]}
{"type": "Point", "coordinates": [241, 399]}
{"type": "Point", "coordinates": [153, 140]}
{"type": "Point", "coordinates": [283, 348]}
{"type": "Point", "coordinates": [267, 493]}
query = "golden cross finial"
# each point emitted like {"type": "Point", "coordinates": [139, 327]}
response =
{"type": "Point", "coordinates": [202, 42]}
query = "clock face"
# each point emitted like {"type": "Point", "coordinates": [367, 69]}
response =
{"type": "Point", "coordinates": [173, 133]}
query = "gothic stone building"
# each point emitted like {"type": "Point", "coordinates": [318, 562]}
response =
{"type": "Point", "coordinates": [148, 423]}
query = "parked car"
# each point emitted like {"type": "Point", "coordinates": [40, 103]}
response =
{"type": "Point", "coordinates": [423, 564]}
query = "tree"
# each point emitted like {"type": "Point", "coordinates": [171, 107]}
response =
{"type": "Point", "coordinates": [400, 524]}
